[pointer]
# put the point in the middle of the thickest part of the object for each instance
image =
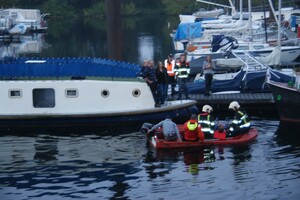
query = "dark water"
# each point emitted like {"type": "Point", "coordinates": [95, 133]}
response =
{"type": "Point", "coordinates": [118, 164]}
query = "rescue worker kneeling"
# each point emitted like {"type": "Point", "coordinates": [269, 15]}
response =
{"type": "Point", "coordinates": [192, 130]}
{"type": "Point", "coordinates": [241, 121]}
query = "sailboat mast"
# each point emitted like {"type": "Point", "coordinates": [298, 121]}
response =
{"type": "Point", "coordinates": [272, 8]}
{"type": "Point", "coordinates": [279, 24]}
{"type": "Point", "coordinates": [241, 10]}
{"type": "Point", "coordinates": [250, 19]}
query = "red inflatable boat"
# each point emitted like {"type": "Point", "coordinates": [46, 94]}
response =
{"type": "Point", "coordinates": [157, 140]}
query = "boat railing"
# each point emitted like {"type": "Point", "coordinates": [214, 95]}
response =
{"type": "Point", "coordinates": [250, 62]}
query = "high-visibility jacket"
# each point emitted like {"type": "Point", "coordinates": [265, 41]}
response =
{"type": "Point", "coordinates": [170, 67]}
{"type": "Point", "coordinates": [241, 119]}
{"type": "Point", "coordinates": [192, 131]}
{"type": "Point", "coordinates": [182, 69]}
{"type": "Point", "coordinates": [207, 123]}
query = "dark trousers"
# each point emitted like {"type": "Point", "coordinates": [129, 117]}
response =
{"type": "Point", "coordinates": [154, 89]}
{"type": "Point", "coordinates": [208, 81]}
{"type": "Point", "coordinates": [163, 90]}
{"type": "Point", "coordinates": [182, 87]}
{"type": "Point", "coordinates": [172, 82]}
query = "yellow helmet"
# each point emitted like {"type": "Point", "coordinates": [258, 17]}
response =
{"type": "Point", "coordinates": [234, 105]}
{"type": "Point", "coordinates": [207, 108]}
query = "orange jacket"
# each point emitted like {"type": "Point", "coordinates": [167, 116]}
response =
{"type": "Point", "coordinates": [192, 131]}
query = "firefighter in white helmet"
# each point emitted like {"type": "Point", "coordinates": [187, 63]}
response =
{"type": "Point", "coordinates": [241, 121]}
{"type": "Point", "coordinates": [207, 122]}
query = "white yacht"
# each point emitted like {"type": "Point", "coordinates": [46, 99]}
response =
{"type": "Point", "coordinates": [31, 18]}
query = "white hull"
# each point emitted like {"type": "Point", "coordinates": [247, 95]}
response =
{"type": "Point", "coordinates": [78, 98]}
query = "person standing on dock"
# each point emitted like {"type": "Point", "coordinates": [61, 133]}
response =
{"type": "Point", "coordinates": [207, 122]}
{"type": "Point", "coordinates": [182, 70]}
{"type": "Point", "coordinates": [208, 70]}
{"type": "Point", "coordinates": [149, 76]}
{"type": "Point", "coordinates": [170, 66]}
{"type": "Point", "coordinates": [241, 121]}
{"type": "Point", "coordinates": [162, 80]}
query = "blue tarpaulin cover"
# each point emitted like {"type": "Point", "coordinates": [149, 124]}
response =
{"type": "Point", "coordinates": [65, 67]}
{"type": "Point", "coordinates": [188, 31]}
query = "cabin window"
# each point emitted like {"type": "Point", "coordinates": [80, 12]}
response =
{"type": "Point", "coordinates": [43, 98]}
{"type": "Point", "coordinates": [71, 93]}
{"type": "Point", "coordinates": [15, 93]}
{"type": "Point", "coordinates": [258, 47]}
{"type": "Point", "coordinates": [136, 92]}
{"type": "Point", "coordinates": [14, 15]}
{"type": "Point", "coordinates": [105, 93]}
{"type": "Point", "coordinates": [243, 48]}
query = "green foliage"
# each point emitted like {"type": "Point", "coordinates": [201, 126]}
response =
{"type": "Point", "coordinates": [176, 7]}
{"type": "Point", "coordinates": [58, 8]}
{"type": "Point", "coordinates": [7, 3]}
{"type": "Point", "coordinates": [129, 9]}
{"type": "Point", "coordinates": [97, 10]}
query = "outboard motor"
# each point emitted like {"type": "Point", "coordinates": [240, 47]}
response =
{"type": "Point", "coordinates": [146, 127]}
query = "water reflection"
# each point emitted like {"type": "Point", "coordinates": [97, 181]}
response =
{"type": "Point", "coordinates": [288, 133]}
{"type": "Point", "coordinates": [131, 39]}
{"type": "Point", "coordinates": [163, 161]}
{"type": "Point", "coordinates": [146, 47]}
{"type": "Point", "coordinates": [25, 45]}
{"type": "Point", "coordinates": [46, 149]}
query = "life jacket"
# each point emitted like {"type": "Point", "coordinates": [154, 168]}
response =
{"type": "Point", "coordinates": [170, 67]}
{"type": "Point", "coordinates": [182, 69]}
{"type": "Point", "coordinates": [220, 135]}
{"type": "Point", "coordinates": [192, 130]}
{"type": "Point", "coordinates": [207, 126]}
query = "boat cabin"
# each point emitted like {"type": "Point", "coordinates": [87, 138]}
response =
{"type": "Point", "coordinates": [31, 18]}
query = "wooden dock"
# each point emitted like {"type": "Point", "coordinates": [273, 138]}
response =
{"type": "Point", "coordinates": [256, 104]}
{"type": "Point", "coordinates": [242, 98]}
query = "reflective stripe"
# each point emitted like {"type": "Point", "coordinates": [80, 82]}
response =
{"type": "Point", "coordinates": [205, 122]}
{"type": "Point", "coordinates": [207, 125]}
{"type": "Point", "coordinates": [183, 72]}
{"type": "Point", "coordinates": [243, 118]}
{"type": "Point", "coordinates": [235, 121]}
{"type": "Point", "coordinates": [205, 129]}
{"type": "Point", "coordinates": [246, 125]}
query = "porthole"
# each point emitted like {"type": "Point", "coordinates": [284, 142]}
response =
{"type": "Point", "coordinates": [71, 93]}
{"type": "Point", "coordinates": [105, 93]}
{"type": "Point", "coordinates": [136, 92]}
{"type": "Point", "coordinates": [16, 93]}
